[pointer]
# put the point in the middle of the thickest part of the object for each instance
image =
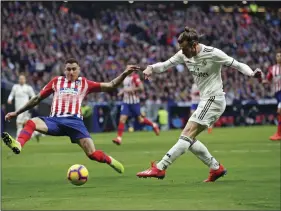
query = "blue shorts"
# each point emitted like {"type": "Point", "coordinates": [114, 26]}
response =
{"type": "Point", "coordinates": [73, 127]}
{"type": "Point", "coordinates": [194, 106]}
{"type": "Point", "coordinates": [278, 96]}
{"type": "Point", "coordinates": [130, 109]}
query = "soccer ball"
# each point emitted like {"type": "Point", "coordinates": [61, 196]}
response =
{"type": "Point", "coordinates": [77, 174]}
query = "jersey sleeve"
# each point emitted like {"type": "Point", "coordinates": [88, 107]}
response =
{"type": "Point", "coordinates": [269, 75]}
{"type": "Point", "coordinates": [222, 58]}
{"type": "Point", "coordinates": [49, 88]}
{"type": "Point", "coordinates": [12, 94]}
{"type": "Point", "coordinates": [173, 61]}
{"type": "Point", "coordinates": [93, 86]}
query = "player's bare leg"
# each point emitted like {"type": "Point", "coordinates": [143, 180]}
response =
{"type": "Point", "coordinates": [143, 120]}
{"type": "Point", "coordinates": [277, 135]}
{"type": "Point", "coordinates": [25, 134]}
{"type": "Point", "coordinates": [121, 127]}
{"type": "Point", "coordinates": [89, 148]}
{"type": "Point", "coordinates": [186, 142]}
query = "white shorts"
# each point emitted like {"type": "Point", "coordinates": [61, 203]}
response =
{"type": "Point", "coordinates": [279, 105]}
{"type": "Point", "coordinates": [209, 110]}
{"type": "Point", "coordinates": [23, 117]}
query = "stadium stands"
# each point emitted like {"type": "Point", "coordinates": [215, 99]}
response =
{"type": "Point", "coordinates": [38, 41]}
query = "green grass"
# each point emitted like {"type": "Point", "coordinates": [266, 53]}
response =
{"type": "Point", "coordinates": [36, 179]}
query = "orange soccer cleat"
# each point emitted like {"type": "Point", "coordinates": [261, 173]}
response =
{"type": "Point", "coordinates": [216, 174]}
{"type": "Point", "coordinates": [117, 140]}
{"type": "Point", "coordinates": [156, 129]}
{"type": "Point", "coordinates": [210, 130]}
{"type": "Point", "coordinates": [153, 171]}
{"type": "Point", "coordinates": [275, 137]}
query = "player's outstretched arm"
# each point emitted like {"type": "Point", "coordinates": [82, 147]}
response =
{"type": "Point", "coordinates": [163, 66]}
{"type": "Point", "coordinates": [29, 105]}
{"type": "Point", "coordinates": [222, 58]}
{"type": "Point", "coordinates": [45, 92]}
{"type": "Point", "coordinates": [109, 86]}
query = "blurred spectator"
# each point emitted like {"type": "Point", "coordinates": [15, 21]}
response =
{"type": "Point", "coordinates": [163, 118]}
{"type": "Point", "coordinates": [87, 112]}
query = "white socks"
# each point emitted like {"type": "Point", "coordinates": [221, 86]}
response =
{"type": "Point", "coordinates": [196, 147]}
{"type": "Point", "coordinates": [177, 150]}
{"type": "Point", "coordinates": [201, 151]}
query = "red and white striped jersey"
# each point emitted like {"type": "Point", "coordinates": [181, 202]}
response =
{"type": "Point", "coordinates": [68, 95]}
{"type": "Point", "coordinates": [274, 75]}
{"type": "Point", "coordinates": [131, 81]}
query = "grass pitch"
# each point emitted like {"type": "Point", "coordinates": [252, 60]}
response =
{"type": "Point", "coordinates": [36, 179]}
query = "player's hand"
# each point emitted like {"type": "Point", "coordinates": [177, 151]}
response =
{"type": "Point", "coordinates": [128, 90]}
{"type": "Point", "coordinates": [131, 68]}
{"type": "Point", "coordinates": [147, 73]}
{"type": "Point", "coordinates": [9, 102]}
{"type": "Point", "coordinates": [258, 74]}
{"type": "Point", "coordinates": [121, 92]}
{"type": "Point", "coordinates": [10, 115]}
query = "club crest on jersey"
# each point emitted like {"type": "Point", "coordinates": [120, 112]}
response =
{"type": "Point", "coordinates": [77, 83]}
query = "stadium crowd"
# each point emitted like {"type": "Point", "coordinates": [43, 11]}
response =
{"type": "Point", "coordinates": [38, 41]}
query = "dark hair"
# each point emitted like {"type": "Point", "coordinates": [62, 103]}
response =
{"type": "Point", "coordinates": [190, 35]}
{"type": "Point", "coordinates": [278, 50]}
{"type": "Point", "coordinates": [71, 61]}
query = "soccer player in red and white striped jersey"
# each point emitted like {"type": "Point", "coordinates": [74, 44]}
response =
{"type": "Point", "coordinates": [274, 76]}
{"type": "Point", "coordinates": [131, 106]}
{"type": "Point", "coordinates": [65, 118]}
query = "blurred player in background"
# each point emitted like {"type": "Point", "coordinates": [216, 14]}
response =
{"type": "Point", "coordinates": [131, 106]}
{"type": "Point", "coordinates": [274, 77]}
{"type": "Point", "coordinates": [22, 92]}
{"type": "Point", "coordinates": [205, 63]}
{"type": "Point", "coordinates": [195, 98]}
{"type": "Point", "coordinates": [66, 118]}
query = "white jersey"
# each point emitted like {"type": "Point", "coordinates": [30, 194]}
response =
{"type": "Point", "coordinates": [195, 98]}
{"type": "Point", "coordinates": [205, 68]}
{"type": "Point", "coordinates": [21, 94]}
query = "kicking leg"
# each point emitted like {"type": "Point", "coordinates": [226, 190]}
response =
{"type": "Point", "coordinates": [121, 127]}
{"type": "Point", "coordinates": [186, 142]}
{"type": "Point", "coordinates": [89, 148]}
{"type": "Point", "coordinates": [25, 134]}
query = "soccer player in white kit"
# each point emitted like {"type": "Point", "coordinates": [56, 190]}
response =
{"type": "Point", "coordinates": [205, 63]}
{"type": "Point", "coordinates": [21, 92]}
